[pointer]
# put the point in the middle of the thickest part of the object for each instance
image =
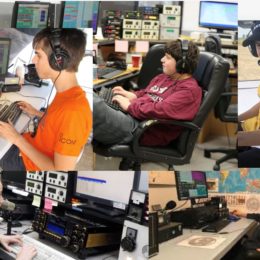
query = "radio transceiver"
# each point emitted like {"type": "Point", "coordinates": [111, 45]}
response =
{"type": "Point", "coordinates": [132, 24]}
{"type": "Point", "coordinates": [150, 25]}
{"type": "Point", "coordinates": [34, 187]}
{"type": "Point", "coordinates": [172, 9]}
{"type": "Point", "coordinates": [170, 20]}
{"type": "Point", "coordinates": [38, 175]}
{"type": "Point", "coordinates": [77, 234]}
{"type": "Point", "coordinates": [150, 34]}
{"type": "Point", "coordinates": [168, 33]}
{"type": "Point", "coordinates": [131, 34]}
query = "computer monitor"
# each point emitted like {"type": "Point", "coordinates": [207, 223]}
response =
{"type": "Point", "coordinates": [5, 45]}
{"type": "Point", "coordinates": [108, 188]}
{"type": "Point", "coordinates": [218, 15]}
{"type": "Point", "coordinates": [80, 14]}
{"type": "Point", "coordinates": [14, 178]}
{"type": "Point", "coordinates": [191, 185]}
{"type": "Point", "coordinates": [30, 14]}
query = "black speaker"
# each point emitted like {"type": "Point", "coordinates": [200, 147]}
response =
{"type": "Point", "coordinates": [59, 58]}
{"type": "Point", "coordinates": [153, 234]}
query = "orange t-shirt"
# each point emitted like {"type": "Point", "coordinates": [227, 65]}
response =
{"type": "Point", "coordinates": [64, 128]}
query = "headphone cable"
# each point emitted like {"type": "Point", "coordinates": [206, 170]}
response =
{"type": "Point", "coordinates": [36, 122]}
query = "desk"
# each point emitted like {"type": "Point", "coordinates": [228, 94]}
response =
{"type": "Point", "coordinates": [110, 255]}
{"type": "Point", "coordinates": [247, 95]}
{"type": "Point", "coordinates": [36, 97]}
{"type": "Point", "coordinates": [170, 249]}
{"type": "Point", "coordinates": [128, 74]}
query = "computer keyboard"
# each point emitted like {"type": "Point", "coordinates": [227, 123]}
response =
{"type": "Point", "coordinates": [107, 95]}
{"type": "Point", "coordinates": [108, 72]}
{"type": "Point", "coordinates": [216, 226]}
{"type": "Point", "coordinates": [43, 251]}
{"type": "Point", "coordinates": [10, 111]}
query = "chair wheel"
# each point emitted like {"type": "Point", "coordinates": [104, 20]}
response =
{"type": "Point", "coordinates": [207, 154]}
{"type": "Point", "coordinates": [216, 167]}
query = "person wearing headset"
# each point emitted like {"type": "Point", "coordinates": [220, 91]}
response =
{"type": "Point", "coordinates": [249, 141]}
{"type": "Point", "coordinates": [174, 94]}
{"type": "Point", "coordinates": [64, 127]}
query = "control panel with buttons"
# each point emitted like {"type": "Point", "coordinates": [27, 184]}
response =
{"type": "Point", "coordinates": [34, 187]}
{"type": "Point", "coordinates": [57, 178]}
{"type": "Point", "coordinates": [55, 193]}
{"type": "Point", "coordinates": [37, 175]}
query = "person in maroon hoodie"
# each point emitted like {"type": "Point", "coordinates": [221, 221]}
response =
{"type": "Point", "coordinates": [174, 94]}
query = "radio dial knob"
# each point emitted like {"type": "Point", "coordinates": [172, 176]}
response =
{"type": "Point", "coordinates": [84, 229]}
{"type": "Point", "coordinates": [73, 238]}
{"type": "Point", "coordinates": [38, 186]}
{"type": "Point", "coordinates": [65, 240]}
{"type": "Point", "coordinates": [128, 244]}
{"type": "Point", "coordinates": [81, 242]}
{"type": "Point", "coordinates": [74, 248]}
{"type": "Point", "coordinates": [61, 193]}
{"type": "Point", "coordinates": [62, 177]}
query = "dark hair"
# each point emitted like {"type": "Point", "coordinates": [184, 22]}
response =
{"type": "Point", "coordinates": [174, 48]}
{"type": "Point", "coordinates": [71, 40]}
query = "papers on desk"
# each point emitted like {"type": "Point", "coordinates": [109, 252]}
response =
{"type": "Point", "coordinates": [247, 95]}
{"type": "Point", "coordinates": [208, 242]}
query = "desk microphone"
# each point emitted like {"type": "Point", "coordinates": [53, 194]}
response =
{"type": "Point", "coordinates": [7, 205]}
{"type": "Point", "coordinates": [170, 205]}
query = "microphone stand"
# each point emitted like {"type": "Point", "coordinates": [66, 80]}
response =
{"type": "Point", "coordinates": [9, 222]}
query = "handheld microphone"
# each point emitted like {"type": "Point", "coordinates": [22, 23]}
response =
{"type": "Point", "coordinates": [7, 205]}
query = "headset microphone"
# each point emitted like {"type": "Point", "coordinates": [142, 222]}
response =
{"type": "Point", "coordinates": [245, 43]}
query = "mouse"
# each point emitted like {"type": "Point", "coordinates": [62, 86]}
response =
{"type": "Point", "coordinates": [233, 217]}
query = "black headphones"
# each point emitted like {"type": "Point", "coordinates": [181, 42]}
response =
{"type": "Point", "coordinates": [249, 40]}
{"type": "Point", "coordinates": [59, 58]}
{"type": "Point", "coordinates": [182, 64]}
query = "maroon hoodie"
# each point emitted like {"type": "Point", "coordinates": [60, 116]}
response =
{"type": "Point", "coordinates": [166, 98]}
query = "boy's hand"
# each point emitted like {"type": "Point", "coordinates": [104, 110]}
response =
{"type": "Point", "coordinates": [8, 132]}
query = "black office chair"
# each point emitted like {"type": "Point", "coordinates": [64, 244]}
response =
{"type": "Point", "coordinates": [224, 110]}
{"type": "Point", "coordinates": [249, 244]}
{"type": "Point", "coordinates": [152, 65]}
{"type": "Point", "coordinates": [211, 74]}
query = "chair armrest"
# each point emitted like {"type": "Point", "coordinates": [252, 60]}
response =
{"type": "Point", "coordinates": [144, 125]}
{"type": "Point", "coordinates": [228, 94]}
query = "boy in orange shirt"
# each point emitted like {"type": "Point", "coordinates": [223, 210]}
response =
{"type": "Point", "coordinates": [64, 127]}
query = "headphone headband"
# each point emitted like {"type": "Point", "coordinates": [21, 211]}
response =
{"type": "Point", "coordinates": [181, 65]}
